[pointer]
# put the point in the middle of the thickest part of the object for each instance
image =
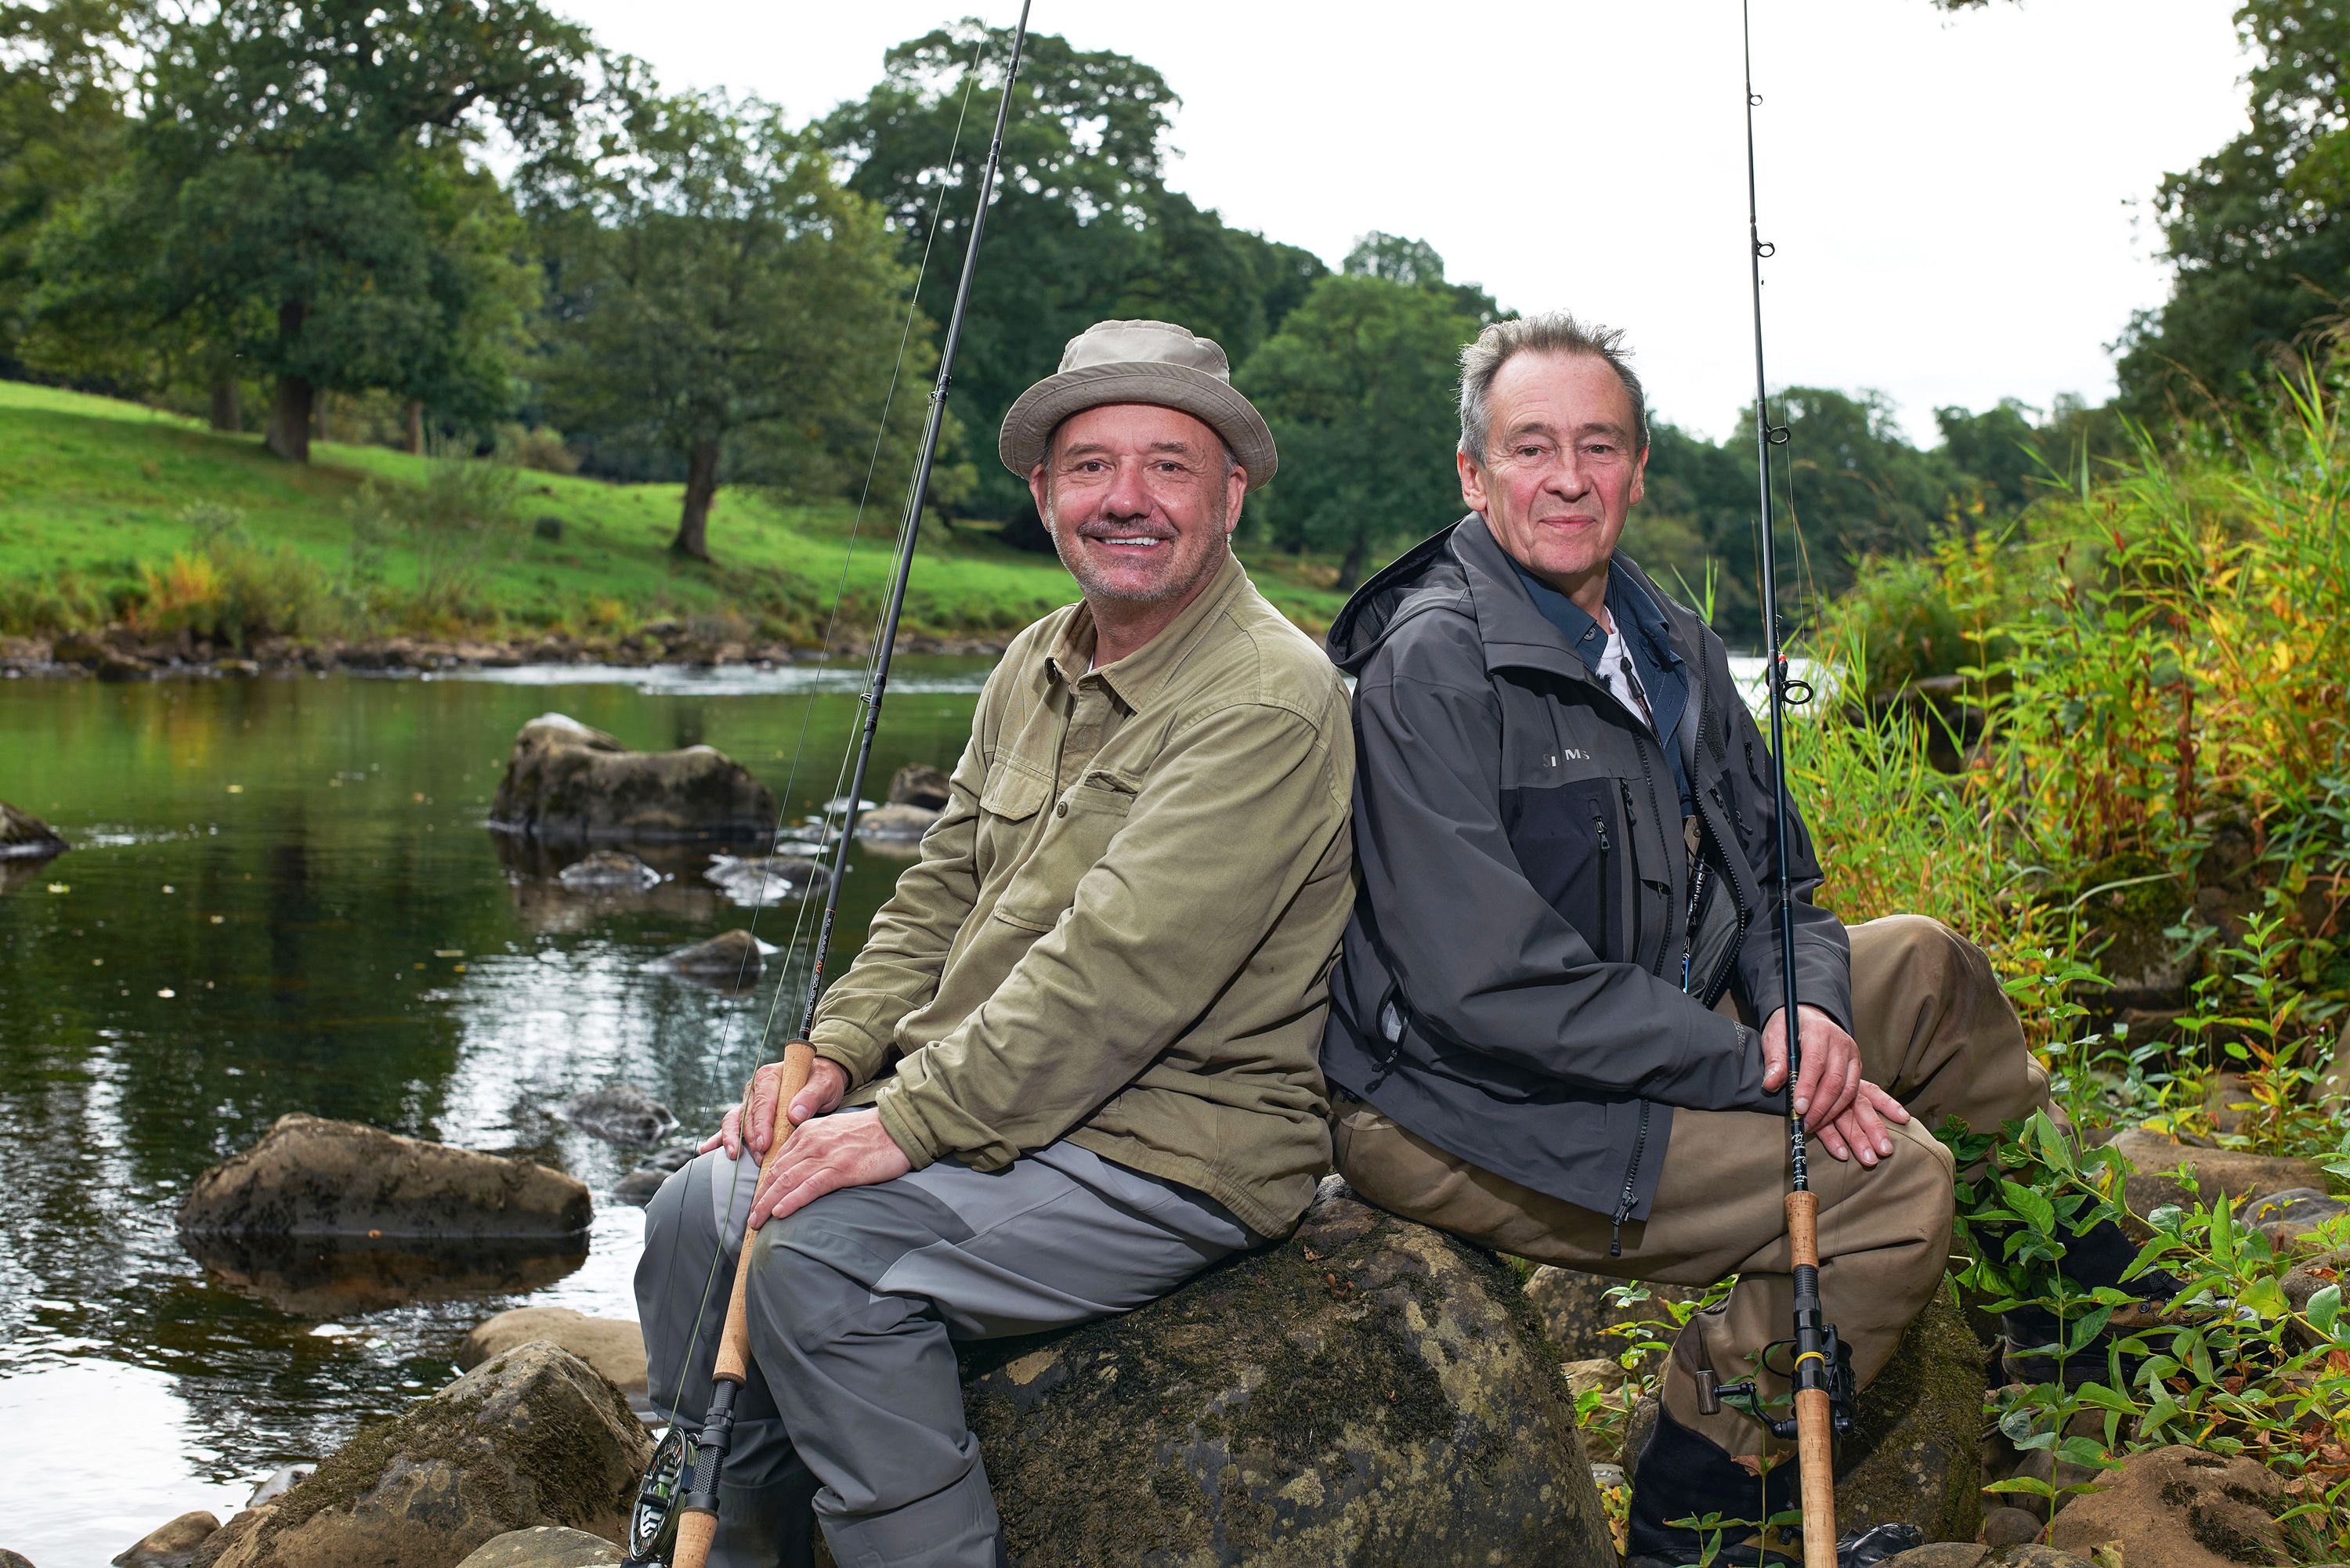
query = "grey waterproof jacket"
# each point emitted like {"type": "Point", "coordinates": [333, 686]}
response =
{"type": "Point", "coordinates": [1528, 977]}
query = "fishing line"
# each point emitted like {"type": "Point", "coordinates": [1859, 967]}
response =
{"type": "Point", "coordinates": [815, 692]}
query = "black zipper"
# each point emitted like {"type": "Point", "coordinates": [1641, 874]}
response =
{"type": "Point", "coordinates": [1632, 865]}
{"type": "Point", "coordinates": [1606, 855]}
{"type": "Point", "coordinates": [1649, 779]}
{"type": "Point", "coordinates": [1631, 1177]}
{"type": "Point", "coordinates": [1688, 926]}
{"type": "Point", "coordinates": [1720, 981]}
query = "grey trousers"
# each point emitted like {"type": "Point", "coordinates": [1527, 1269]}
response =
{"type": "Point", "coordinates": [854, 1406]}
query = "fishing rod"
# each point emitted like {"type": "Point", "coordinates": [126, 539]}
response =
{"type": "Point", "coordinates": [1821, 1373]}
{"type": "Point", "coordinates": [675, 1518]}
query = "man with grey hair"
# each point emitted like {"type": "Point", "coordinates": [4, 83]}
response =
{"type": "Point", "coordinates": [1553, 1030]}
{"type": "Point", "coordinates": [1074, 1063]}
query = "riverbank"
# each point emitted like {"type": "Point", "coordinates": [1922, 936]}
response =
{"type": "Point", "coordinates": [123, 522]}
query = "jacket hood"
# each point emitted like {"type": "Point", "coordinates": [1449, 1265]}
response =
{"type": "Point", "coordinates": [1427, 572]}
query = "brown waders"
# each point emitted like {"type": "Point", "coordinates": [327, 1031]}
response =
{"type": "Point", "coordinates": [1934, 1030]}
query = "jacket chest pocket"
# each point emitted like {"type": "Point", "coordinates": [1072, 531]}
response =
{"type": "Point", "coordinates": [1055, 840]}
{"type": "Point", "coordinates": [1571, 844]}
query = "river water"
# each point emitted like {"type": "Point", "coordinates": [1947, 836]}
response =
{"type": "Point", "coordinates": [283, 898]}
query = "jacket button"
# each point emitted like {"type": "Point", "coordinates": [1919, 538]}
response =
{"type": "Point", "coordinates": [1062, 809]}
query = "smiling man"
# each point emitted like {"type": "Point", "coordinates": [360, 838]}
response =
{"type": "Point", "coordinates": [1553, 1029]}
{"type": "Point", "coordinates": [1074, 1063]}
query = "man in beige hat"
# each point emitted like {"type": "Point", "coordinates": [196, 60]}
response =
{"type": "Point", "coordinates": [1074, 1063]}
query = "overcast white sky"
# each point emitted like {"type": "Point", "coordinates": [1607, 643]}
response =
{"type": "Point", "coordinates": [1959, 203]}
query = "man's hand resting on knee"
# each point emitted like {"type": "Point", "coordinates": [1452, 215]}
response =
{"type": "Point", "coordinates": [1844, 1110]}
{"type": "Point", "coordinates": [827, 1081]}
{"type": "Point", "coordinates": [845, 1151]}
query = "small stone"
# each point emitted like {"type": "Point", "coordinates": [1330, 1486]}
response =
{"type": "Point", "coordinates": [895, 822]}
{"type": "Point", "coordinates": [12, 1560]}
{"type": "Point", "coordinates": [621, 1114]}
{"type": "Point", "coordinates": [728, 957]}
{"type": "Point", "coordinates": [2289, 1217]}
{"type": "Point", "coordinates": [918, 784]}
{"type": "Point", "coordinates": [171, 1545]}
{"type": "Point", "coordinates": [1941, 1555]}
{"type": "Point", "coordinates": [1597, 1375]}
{"type": "Point", "coordinates": [608, 868]}
{"type": "Point", "coordinates": [567, 783]}
{"type": "Point", "coordinates": [282, 1481]}
{"type": "Point", "coordinates": [2010, 1527]}
{"type": "Point", "coordinates": [2308, 1277]}
{"type": "Point", "coordinates": [23, 836]}
{"type": "Point", "coordinates": [640, 1185]}
{"type": "Point", "coordinates": [760, 879]}
{"type": "Point", "coordinates": [2037, 1557]}
{"type": "Point", "coordinates": [1577, 1310]}
{"type": "Point", "coordinates": [2210, 1172]}
{"type": "Point", "coordinates": [545, 1546]}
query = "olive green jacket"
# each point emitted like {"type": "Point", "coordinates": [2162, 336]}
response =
{"type": "Point", "coordinates": [1121, 928]}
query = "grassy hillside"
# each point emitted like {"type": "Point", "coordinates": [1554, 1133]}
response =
{"type": "Point", "coordinates": [95, 496]}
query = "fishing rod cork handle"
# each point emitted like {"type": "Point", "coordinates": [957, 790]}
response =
{"type": "Point", "coordinates": [733, 1364]}
{"type": "Point", "coordinates": [1815, 1371]}
{"type": "Point", "coordinates": [697, 1514]}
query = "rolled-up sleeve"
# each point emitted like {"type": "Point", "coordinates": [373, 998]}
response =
{"type": "Point", "coordinates": [1242, 804]}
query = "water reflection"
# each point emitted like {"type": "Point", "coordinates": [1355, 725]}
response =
{"type": "Point", "coordinates": [282, 898]}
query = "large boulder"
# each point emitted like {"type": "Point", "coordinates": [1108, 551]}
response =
{"type": "Point", "coordinates": [23, 836]}
{"type": "Point", "coordinates": [171, 1545]}
{"type": "Point", "coordinates": [567, 782]}
{"type": "Point", "coordinates": [1372, 1392]}
{"type": "Point", "coordinates": [309, 1176]}
{"type": "Point", "coordinates": [731, 958]}
{"type": "Point", "coordinates": [534, 1436]}
{"type": "Point", "coordinates": [614, 1347]}
{"type": "Point", "coordinates": [2210, 1173]}
{"type": "Point", "coordinates": [621, 1113]}
{"type": "Point", "coordinates": [2180, 1508]}
{"type": "Point", "coordinates": [1914, 1453]}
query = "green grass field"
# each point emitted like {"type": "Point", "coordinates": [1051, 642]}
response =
{"type": "Point", "coordinates": [94, 494]}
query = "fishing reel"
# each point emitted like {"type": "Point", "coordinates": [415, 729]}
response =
{"type": "Point", "coordinates": [652, 1517]}
{"type": "Point", "coordinates": [1825, 1364]}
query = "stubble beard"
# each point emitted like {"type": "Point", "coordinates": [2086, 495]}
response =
{"type": "Point", "coordinates": [1093, 587]}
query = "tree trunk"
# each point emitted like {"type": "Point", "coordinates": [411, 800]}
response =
{"type": "Point", "coordinates": [700, 486]}
{"type": "Point", "coordinates": [1350, 568]}
{"type": "Point", "coordinates": [289, 419]}
{"type": "Point", "coordinates": [226, 416]}
{"type": "Point", "coordinates": [415, 428]}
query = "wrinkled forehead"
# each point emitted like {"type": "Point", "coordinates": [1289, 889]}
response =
{"type": "Point", "coordinates": [1119, 430]}
{"type": "Point", "coordinates": [1558, 394]}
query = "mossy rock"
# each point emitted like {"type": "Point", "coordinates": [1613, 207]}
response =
{"type": "Point", "coordinates": [1371, 1392]}
{"type": "Point", "coordinates": [1913, 1452]}
{"type": "Point", "coordinates": [532, 1437]}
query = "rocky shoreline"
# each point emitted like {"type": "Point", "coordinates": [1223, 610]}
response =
{"type": "Point", "coordinates": [125, 653]}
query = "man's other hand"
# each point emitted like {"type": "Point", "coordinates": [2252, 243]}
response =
{"type": "Point", "coordinates": [828, 1081]}
{"type": "Point", "coordinates": [853, 1150]}
{"type": "Point", "coordinates": [1848, 1113]}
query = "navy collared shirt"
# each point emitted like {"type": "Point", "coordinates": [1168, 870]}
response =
{"type": "Point", "coordinates": [1638, 617]}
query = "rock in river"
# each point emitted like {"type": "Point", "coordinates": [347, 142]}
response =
{"type": "Point", "coordinates": [23, 836]}
{"type": "Point", "coordinates": [309, 1176]}
{"type": "Point", "coordinates": [725, 958]}
{"type": "Point", "coordinates": [608, 868]}
{"type": "Point", "coordinates": [621, 1114]}
{"type": "Point", "coordinates": [545, 1546]}
{"type": "Point", "coordinates": [614, 1347]}
{"type": "Point", "coordinates": [171, 1545]}
{"type": "Point", "coordinates": [764, 878]}
{"type": "Point", "coordinates": [567, 782]}
{"type": "Point", "coordinates": [918, 784]}
{"type": "Point", "coordinates": [1370, 1392]}
{"type": "Point", "coordinates": [533, 1436]}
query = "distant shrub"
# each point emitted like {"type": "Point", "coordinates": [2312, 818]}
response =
{"type": "Point", "coordinates": [540, 446]}
{"type": "Point", "coordinates": [230, 589]}
{"type": "Point", "coordinates": [459, 524]}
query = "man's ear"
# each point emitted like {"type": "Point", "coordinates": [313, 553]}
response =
{"type": "Point", "coordinates": [1639, 478]}
{"type": "Point", "coordinates": [1235, 496]}
{"type": "Point", "coordinates": [1040, 489]}
{"type": "Point", "coordinates": [1473, 482]}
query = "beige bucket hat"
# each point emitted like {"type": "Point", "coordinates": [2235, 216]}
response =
{"type": "Point", "coordinates": [1138, 362]}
